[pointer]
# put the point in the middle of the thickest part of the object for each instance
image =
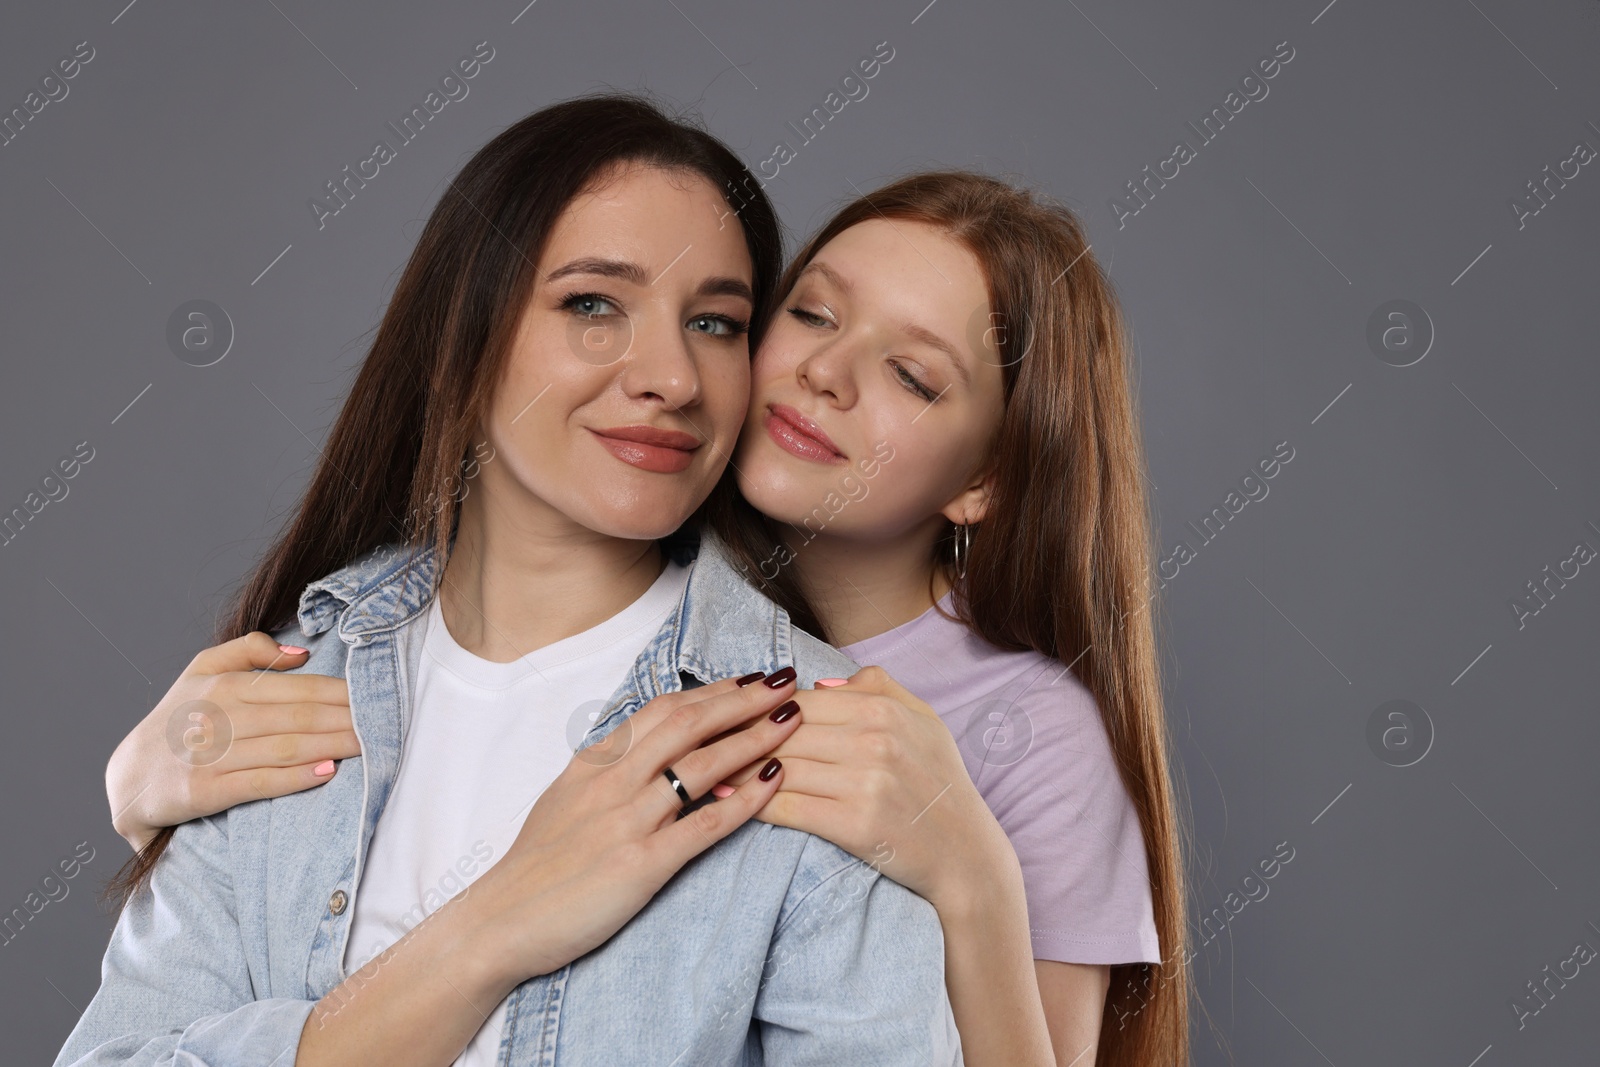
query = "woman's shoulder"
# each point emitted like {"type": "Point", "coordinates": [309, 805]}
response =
{"type": "Point", "coordinates": [1033, 699]}
{"type": "Point", "coordinates": [1015, 713]}
{"type": "Point", "coordinates": [1038, 750]}
{"type": "Point", "coordinates": [391, 579]}
{"type": "Point", "coordinates": [1024, 714]}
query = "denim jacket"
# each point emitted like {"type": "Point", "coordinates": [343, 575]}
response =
{"type": "Point", "coordinates": [772, 946]}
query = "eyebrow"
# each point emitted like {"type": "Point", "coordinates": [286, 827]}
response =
{"type": "Point", "coordinates": [838, 280]}
{"type": "Point", "coordinates": [627, 271]}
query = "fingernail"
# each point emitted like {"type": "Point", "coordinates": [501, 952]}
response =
{"type": "Point", "coordinates": [722, 792]}
{"type": "Point", "coordinates": [770, 769]}
{"type": "Point", "coordinates": [325, 767]}
{"type": "Point", "coordinates": [829, 683]}
{"type": "Point", "coordinates": [291, 650]}
{"type": "Point", "coordinates": [784, 712]}
{"type": "Point", "coordinates": [747, 679]}
{"type": "Point", "coordinates": [780, 679]}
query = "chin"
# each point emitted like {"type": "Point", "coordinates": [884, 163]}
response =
{"type": "Point", "coordinates": [641, 518]}
{"type": "Point", "coordinates": [626, 528]}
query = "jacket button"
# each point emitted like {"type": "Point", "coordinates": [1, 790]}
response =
{"type": "Point", "coordinates": [337, 902]}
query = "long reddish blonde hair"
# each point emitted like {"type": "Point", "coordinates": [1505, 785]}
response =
{"type": "Point", "coordinates": [1061, 562]}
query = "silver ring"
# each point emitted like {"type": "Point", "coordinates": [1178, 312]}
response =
{"type": "Point", "coordinates": [677, 785]}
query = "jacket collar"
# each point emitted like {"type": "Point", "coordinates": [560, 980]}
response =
{"type": "Point", "coordinates": [378, 591]}
{"type": "Point", "coordinates": [721, 624]}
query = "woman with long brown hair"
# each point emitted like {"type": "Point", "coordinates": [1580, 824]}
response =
{"type": "Point", "coordinates": [983, 533]}
{"type": "Point", "coordinates": [610, 916]}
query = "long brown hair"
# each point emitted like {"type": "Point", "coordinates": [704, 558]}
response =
{"type": "Point", "coordinates": [391, 469]}
{"type": "Point", "coordinates": [1061, 562]}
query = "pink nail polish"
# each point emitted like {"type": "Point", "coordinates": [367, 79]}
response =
{"type": "Point", "coordinates": [722, 792]}
{"type": "Point", "coordinates": [829, 683]}
{"type": "Point", "coordinates": [290, 650]}
{"type": "Point", "coordinates": [325, 767]}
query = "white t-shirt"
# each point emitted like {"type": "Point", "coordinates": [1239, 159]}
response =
{"type": "Point", "coordinates": [484, 740]}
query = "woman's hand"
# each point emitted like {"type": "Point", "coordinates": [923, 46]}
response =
{"type": "Point", "coordinates": [876, 771]}
{"type": "Point", "coordinates": [225, 733]}
{"type": "Point", "coordinates": [605, 836]}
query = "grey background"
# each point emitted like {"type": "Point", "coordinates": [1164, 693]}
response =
{"type": "Point", "coordinates": [1381, 566]}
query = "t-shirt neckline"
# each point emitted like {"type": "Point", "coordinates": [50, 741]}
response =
{"type": "Point", "coordinates": [646, 611]}
{"type": "Point", "coordinates": [891, 638]}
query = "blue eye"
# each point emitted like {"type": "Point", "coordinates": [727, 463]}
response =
{"type": "Point", "coordinates": [717, 325]}
{"type": "Point", "coordinates": [588, 305]}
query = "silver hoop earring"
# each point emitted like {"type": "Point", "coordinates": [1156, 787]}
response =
{"type": "Point", "coordinates": [963, 548]}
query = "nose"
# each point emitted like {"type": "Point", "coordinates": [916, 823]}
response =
{"type": "Point", "coordinates": [829, 371]}
{"type": "Point", "coordinates": [660, 363]}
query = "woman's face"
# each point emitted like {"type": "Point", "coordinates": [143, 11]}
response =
{"type": "Point", "coordinates": [637, 324]}
{"type": "Point", "coordinates": [883, 347]}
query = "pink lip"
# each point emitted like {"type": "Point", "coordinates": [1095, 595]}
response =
{"type": "Point", "coordinates": [651, 435]}
{"type": "Point", "coordinates": [649, 448]}
{"type": "Point", "coordinates": [805, 426]}
{"type": "Point", "coordinates": [795, 433]}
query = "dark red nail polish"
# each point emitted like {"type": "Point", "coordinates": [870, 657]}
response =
{"type": "Point", "coordinates": [780, 679]}
{"type": "Point", "coordinates": [785, 711]}
{"type": "Point", "coordinates": [747, 679]}
{"type": "Point", "coordinates": [770, 769]}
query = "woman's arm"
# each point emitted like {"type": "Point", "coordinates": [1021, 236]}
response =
{"type": "Point", "coordinates": [597, 845]}
{"type": "Point", "coordinates": [997, 988]}
{"type": "Point", "coordinates": [1074, 997]}
{"type": "Point", "coordinates": [225, 733]}
{"type": "Point", "coordinates": [419, 1002]}
{"type": "Point", "coordinates": [176, 987]}
{"type": "Point", "coordinates": [874, 767]}
{"type": "Point", "coordinates": [988, 955]}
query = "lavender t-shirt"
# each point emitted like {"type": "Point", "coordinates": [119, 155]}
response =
{"type": "Point", "coordinates": [1033, 742]}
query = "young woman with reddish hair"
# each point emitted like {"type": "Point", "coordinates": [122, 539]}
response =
{"type": "Point", "coordinates": [940, 472]}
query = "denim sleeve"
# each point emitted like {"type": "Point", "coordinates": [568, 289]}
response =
{"type": "Point", "coordinates": [856, 975]}
{"type": "Point", "coordinates": [174, 985]}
